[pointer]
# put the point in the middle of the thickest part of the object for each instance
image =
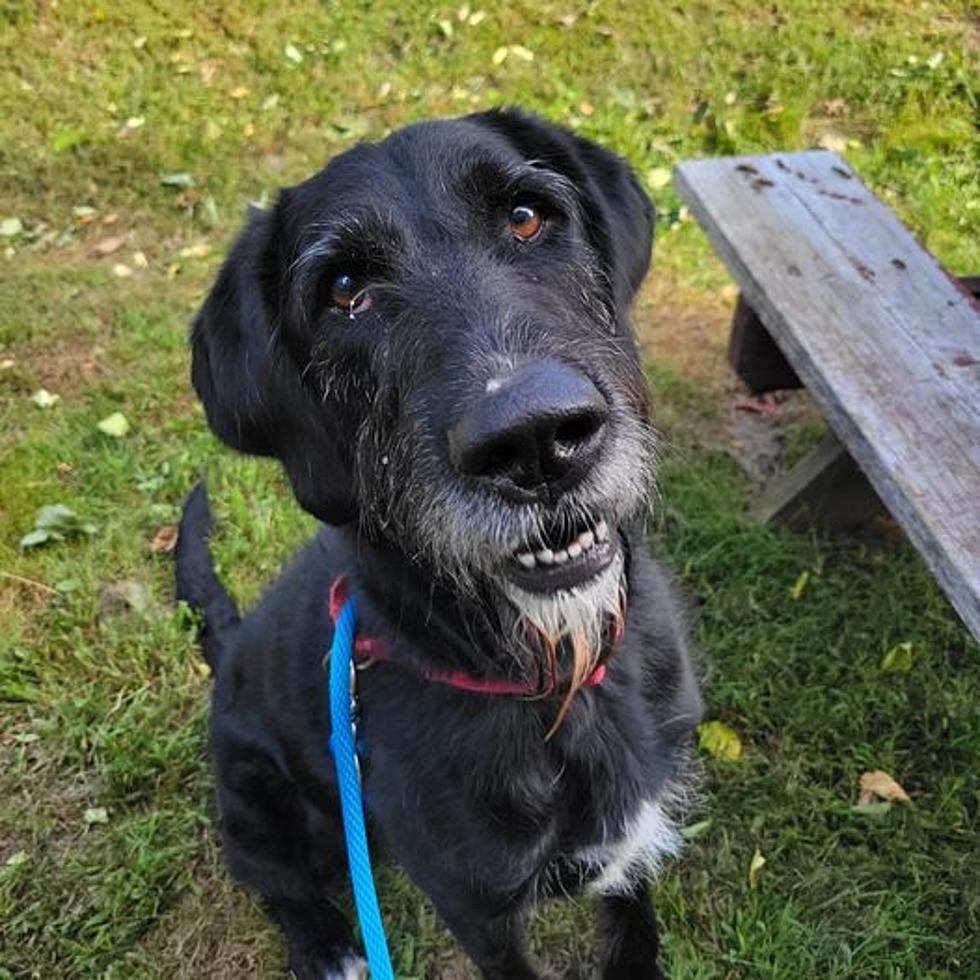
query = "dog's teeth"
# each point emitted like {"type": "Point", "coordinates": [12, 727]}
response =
{"type": "Point", "coordinates": [602, 531]}
{"type": "Point", "coordinates": [546, 557]}
{"type": "Point", "coordinates": [586, 539]}
{"type": "Point", "coordinates": [574, 549]}
{"type": "Point", "coordinates": [526, 559]}
{"type": "Point", "coordinates": [561, 557]}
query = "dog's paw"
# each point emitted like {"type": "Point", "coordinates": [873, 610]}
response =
{"type": "Point", "coordinates": [352, 967]}
{"type": "Point", "coordinates": [343, 966]}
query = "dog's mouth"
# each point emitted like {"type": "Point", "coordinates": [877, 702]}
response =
{"type": "Point", "coordinates": [563, 559]}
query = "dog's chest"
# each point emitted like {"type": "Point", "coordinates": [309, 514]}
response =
{"type": "Point", "coordinates": [632, 852]}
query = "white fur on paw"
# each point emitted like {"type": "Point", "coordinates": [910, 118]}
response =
{"type": "Point", "coordinates": [351, 968]}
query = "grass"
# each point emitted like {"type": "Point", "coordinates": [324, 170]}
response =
{"type": "Point", "coordinates": [108, 861]}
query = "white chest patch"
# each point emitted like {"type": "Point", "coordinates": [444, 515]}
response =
{"type": "Point", "coordinates": [638, 853]}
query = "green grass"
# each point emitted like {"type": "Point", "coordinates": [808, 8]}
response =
{"type": "Point", "coordinates": [102, 101]}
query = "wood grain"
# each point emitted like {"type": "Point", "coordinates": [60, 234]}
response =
{"type": "Point", "coordinates": [874, 326]}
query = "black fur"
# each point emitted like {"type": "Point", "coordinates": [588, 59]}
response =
{"type": "Point", "coordinates": [466, 791]}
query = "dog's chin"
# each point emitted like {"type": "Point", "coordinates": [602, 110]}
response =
{"type": "Point", "coordinates": [569, 590]}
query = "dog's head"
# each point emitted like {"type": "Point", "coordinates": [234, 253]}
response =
{"type": "Point", "coordinates": [432, 336]}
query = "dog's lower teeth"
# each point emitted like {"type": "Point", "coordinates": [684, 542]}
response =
{"type": "Point", "coordinates": [546, 557]}
{"type": "Point", "coordinates": [561, 557]}
{"type": "Point", "coordinates": [601, 531]}
{"type": "Point", "coordinates": [586, 539]}
{"type": "Point", "coordinates": [574, 549]}
{"type": "Point", "coordinates": [527, 559]}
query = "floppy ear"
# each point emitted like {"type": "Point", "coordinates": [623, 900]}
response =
{"type": "Point", "coordinates": [253, 392]}
{"type": "Point", "coordinates": [619, 215]}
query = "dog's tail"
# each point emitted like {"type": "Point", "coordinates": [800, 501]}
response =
{"type": "Point", "coordinates": [197, 582]}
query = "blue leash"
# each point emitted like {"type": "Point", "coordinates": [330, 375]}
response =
{"type": "Point", "coordinates": [351, 805]}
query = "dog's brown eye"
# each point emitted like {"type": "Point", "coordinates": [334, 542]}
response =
{"type": "Point", "coordinates": [347, 296]}
{"type": "Point", "coordinates": [525, 222]}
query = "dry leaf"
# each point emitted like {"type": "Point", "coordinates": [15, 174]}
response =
{"type": "Point", "coordinates": [165, 539]}
{"type": "Point", "coordinates": [121, 271]}
{"type": "Point", "coordinates": [499, 56]}
{"type": "Point", "coordinates": [878, 783]}
{"type": "Point", "coordinates": [107, 246]}
{"type": "Point", "coordinates": [756, 865]}
{"type": "Point", "coordinates": [658, 177]}
{"type": "Point", "coordinates": [835, 142]}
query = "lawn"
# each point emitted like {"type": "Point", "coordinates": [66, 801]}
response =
{"type": "Point", "coordinates": [132, 137]}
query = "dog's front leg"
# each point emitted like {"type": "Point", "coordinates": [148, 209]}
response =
{"type": "Point", "coordinates": [495, 944]}
{"type": "Point", "coordinates": [320, 943]}
{"type": "Point", "coordinates": [630, 941]}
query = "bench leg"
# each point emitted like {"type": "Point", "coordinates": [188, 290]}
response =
{"type": "Point", "coordinates": [825, 489]}
{"type": "Point", "coordinates": [754, 355]}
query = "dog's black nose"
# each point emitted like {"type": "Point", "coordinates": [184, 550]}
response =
{"type": "Point", "coordinates": [539, 427]}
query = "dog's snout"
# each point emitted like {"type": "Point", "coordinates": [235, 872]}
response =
{"type": "Point", "coordinates": [541, 427]}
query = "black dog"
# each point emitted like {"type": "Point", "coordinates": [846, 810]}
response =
{"type": "Point", "coordinates": [432, 336]}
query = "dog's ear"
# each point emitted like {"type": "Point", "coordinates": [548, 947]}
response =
{"type": "Point", "coordinates": [618, 213]}
{"type": "Point", "coordinates": [252, 389]}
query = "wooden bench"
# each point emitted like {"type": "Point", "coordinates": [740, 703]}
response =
{"type": "Point", "coordinates": [883, 337]}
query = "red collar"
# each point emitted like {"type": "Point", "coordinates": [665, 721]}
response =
{"type": "Point", "coordinates": [372, 649]}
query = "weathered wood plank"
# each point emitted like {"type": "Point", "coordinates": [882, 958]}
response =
{"type": "Point", "coordinates": [880, 334]}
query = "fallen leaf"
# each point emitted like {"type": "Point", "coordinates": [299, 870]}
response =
{"type": "Point", "coordinates": [519, 51]}
{"type": "Point", "coordinates": [239, 92]}
{"type": "Point", "coordinates": [719, 741]}
{"type": "Point", "coordinates": [96, 814]}
{"type": "Point", "coordinates": [763, 405]}
{"type": "Point", "coordinates": [200, 250]}
{"type": "Point", "coordinates": [10, 227]}
{"type": "Point", "coordinates": [878, 783]}
{"type": "Point", "coordinates": [165, 539]}
{"type": "Point", "coordinates": [799, 586]}
{"type": "Point", "coordinates": [107, 246]}
{"type": "Point", "coordinates": [55, 522]}
{"type": "Point", "coordinates": [115, 425]}
{"type": "Point", "coordinates": [178, 180]}
{"type": "Point", "coordinates": [7, 363]}
{"type": "Point", "coordinates": [695, 829]}
{"type": "Point", "coordinates": [756, 865]}
{"type": "Point", "coordinates": [658, 177]}
{"type": "Point", "coordinates": [586, 108]}
{"type": "Point", "coordinates": [121, 270]}
{"type": "Point", "coordinates": [476, 19]}
{"type": "Point", "coordinates": [16, 859]}
{"type": "Point", "coordinates": [935, 60]}
{"type": "Point", "coordinates": [140, 260]}
{"type": "Point", "coordinates": [730, 98]}
{"type": "Point", "coordinates": [499, 56]}
{"type": "Point", "coordinates": [446, 28]}
{"type": "Point", "coordinates": [293, 53]}
{"type": "Point", "coordinates": [899, 659]}
{"type": "Point", "coordinates": [44, 399]}
{"type": "Point", "coordinates": [135, 122]}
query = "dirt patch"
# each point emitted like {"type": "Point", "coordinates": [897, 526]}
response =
{"type": "Point", "coordinates": [216, 930]}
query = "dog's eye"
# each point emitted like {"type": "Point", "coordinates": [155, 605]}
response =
{"type": "Point", "coordinates": [525, 222]}
{"type": "Point", "coordinates": [347, 296]}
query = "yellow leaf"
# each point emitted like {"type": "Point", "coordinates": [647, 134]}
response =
{"type": "Point", "coordinates": [719, 741]}
{"type": "Point", "coordinates": [499, 56]}
{"type": "Point", "coordinates": [658, 177]}
{"type": "Point", "coordinates": [879, 783]}
{"type": "Point", "coordinates": [898, 659]}
{"type": "Point", "coordinates": [115, 425]}
{"type": "Point", "coordinates": [519, 51]}
{"type": "Point", "coordinates": [239, 92]}
{"type": "Point", "coordinates": [799, 586]}
{"type": "Point", "coordinates": [756, 865]}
